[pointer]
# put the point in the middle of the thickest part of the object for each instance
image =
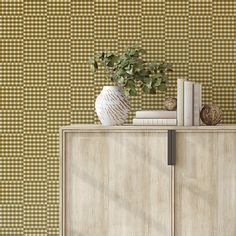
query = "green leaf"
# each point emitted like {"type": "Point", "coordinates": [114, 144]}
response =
{"type": "Point", "coordinates": [124, 63]}
{"type": "Point", "coordinates": [130, 71]}
{"type": "Point", "coordinates": [110, 63]}
{"type": "Point", "coordinates": [121, 72]}
{"type": "Point", "coordinates": [130, 84]}
{"type": "Point", "coordinates": [93, 65]}
{"type": "Point", "coordinates": [148, 82]}
{"type": "Point", "coordinates": [153, 67]}
{"type": "Point", "coordinates": [126, 91]}
{"type": "Point", "coordinates": [152, 91]}
{"type": "Point", "coordinates": [120, 80]}
{"type": "Point", "coordinates": [144, 73]}
{"type": "Point", "coordinates": [101, 56]}
{"type": "Point", "coordinates": [169, 70]}
{"type": "Point", "coordinates": [110, 55]}
{"type": "Point", "coordinates": [132, 52]}
{"type": "Point", "coordinates": [142, 51]}
{"type": "Point", "coordinates": [164, 78]}
{"type": "Point", "coordinates": [145, 89]}
{"type": "Point", "coordinates": [165, 67]}
{"type": "Point", "coordinates": [158, 82]}
{"type": "Point", "coordinates": [133, 92]}
{"type": "Point", "coordinates": [162, 87]}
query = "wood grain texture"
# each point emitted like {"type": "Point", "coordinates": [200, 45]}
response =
{"type": "Point", "coordinates": [128, 189]}
{"type": "Point", "coordinates": [116, 184]}
{"type": "Point", "coordinates": [205, 184]}
{"type": "Point", "coordinates": [154, 128]}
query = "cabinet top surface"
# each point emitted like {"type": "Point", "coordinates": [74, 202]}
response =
{"type": "Point", "coordinates": [147, 128]}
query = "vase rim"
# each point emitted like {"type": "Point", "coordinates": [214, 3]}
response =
{"type": "Point", "coordinates": [111, 87]}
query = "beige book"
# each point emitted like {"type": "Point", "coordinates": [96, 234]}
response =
{"type": "Point", "coordinates": [154, 121]}
{"type": "Point", "coordinates": [188, 103]}
{"type": "Point", "coordinates": [180, 102]}
{"type": "Point", "coordinates": [197, 95]}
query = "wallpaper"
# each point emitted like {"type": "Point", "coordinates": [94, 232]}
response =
{"type": "Point", "coordinates": [45, 81]}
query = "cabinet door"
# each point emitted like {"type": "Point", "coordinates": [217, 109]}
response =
{"type": "Point", "coordinates": [116, 184]}
{"type": "Point", "coordinates": [205, 184]}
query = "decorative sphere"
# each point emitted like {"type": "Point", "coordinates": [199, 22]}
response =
{"type": "Point", "coordinates": [170, 104]}
{"type": "Point", "coordinates": [211, 114]}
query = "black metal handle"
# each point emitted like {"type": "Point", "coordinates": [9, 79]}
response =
{"type": "Point", "coordinates": [171, 147]}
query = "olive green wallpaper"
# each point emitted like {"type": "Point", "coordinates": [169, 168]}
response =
{"type": "Point", "coordinates": [46, 83]}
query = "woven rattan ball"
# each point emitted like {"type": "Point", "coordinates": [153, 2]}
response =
{"type": "Point", "coordinates": [170, 104]}
{"type": "Point", "coordinates": [211, 114]}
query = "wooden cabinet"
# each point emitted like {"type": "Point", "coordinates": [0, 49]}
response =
{"type": "Point", "coordinates": [205, 184]}
{"type": "Point", "coordinates": [115, 181]}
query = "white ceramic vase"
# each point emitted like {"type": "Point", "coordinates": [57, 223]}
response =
{"type": "Point", "coordinates": [112, 106]}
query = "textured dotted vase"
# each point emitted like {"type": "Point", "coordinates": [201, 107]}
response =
{"type": "Point", "coordinates": [112, 106]}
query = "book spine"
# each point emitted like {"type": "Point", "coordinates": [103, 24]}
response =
{"type": "Point", "coordinates": [200, 105]}
{"type": "Point", "coordinates": [188, 103]}
{"type": "Point", "coordinates": [156, 115]}
{"type": "Point", "coordinates": [137, 121]}
{"type": "Point", "coordinates": [154, 121]}
{"type": "Point", "coordinates": [196, 104]}
{"type": "Point", "coordinates": [180, 102]}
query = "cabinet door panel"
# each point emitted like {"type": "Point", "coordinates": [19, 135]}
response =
{"type": "Point", "coordinates": [117, 184]}
{"type": "Point", "coordinates": [205, 184]}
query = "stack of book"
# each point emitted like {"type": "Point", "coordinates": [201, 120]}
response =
{"type": "Point", "coordinates": [189, 103]}
{"type": "Point", "coordinates": [155, 117]}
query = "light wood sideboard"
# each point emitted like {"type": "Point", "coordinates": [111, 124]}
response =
{"type": "Point", "coordinates": [119, 181]}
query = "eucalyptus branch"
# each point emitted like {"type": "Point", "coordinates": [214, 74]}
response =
{"type": "Point", "coordinates": [128, 71]}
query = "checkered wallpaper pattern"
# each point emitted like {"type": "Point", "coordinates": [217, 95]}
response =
{"type": "Point", "coordinates": [45, 81]}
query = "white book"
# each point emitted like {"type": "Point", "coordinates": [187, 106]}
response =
{"type": "Point", "coordinates": [156, 114]}
{"type": "Point", "coordinates": [188, 103]}
{"type": "Point", "coordinates": [180, 102]}
{"type": "Point", "coordinates": [154, 121]}
{"type": "Point", "coordinates": [197, 103]}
